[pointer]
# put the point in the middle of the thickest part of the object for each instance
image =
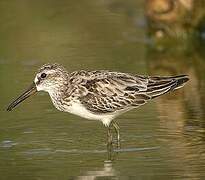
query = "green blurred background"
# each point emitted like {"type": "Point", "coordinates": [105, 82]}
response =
{"type": "Point", "coordinates": [162, 140]}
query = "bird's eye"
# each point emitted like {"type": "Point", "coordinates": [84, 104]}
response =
{"type": "Point", "coordinates": [43, 75]}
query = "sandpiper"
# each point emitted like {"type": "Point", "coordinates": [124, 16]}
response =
{"type": "Point", "coordinates": [99, 95]}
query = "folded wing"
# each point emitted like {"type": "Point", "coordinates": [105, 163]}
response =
{"type": "Point", "coordinates": [107, 92]}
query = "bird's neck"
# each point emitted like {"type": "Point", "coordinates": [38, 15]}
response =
{"type": "Point", "coordinates": [58, 94]}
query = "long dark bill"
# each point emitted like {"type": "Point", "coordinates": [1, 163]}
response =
{"type": "Point", "coordinates": [31, 90]}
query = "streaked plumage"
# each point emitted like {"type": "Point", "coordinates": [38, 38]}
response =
{"type": "Point", "coordinates": [100, 95]}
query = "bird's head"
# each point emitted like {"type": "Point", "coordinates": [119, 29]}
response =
{"type": "Point", "coordinates": [49, 78]}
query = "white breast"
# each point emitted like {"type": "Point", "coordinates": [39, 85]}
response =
{"type": "Point", "coordinates": [75, 107]}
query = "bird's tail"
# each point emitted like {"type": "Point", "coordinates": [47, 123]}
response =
{"type": "Point", "coordinates": [161, 85]}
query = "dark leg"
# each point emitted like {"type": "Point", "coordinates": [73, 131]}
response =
{"type": "Point", "coordinates": [117, 129]}
{"type": "Point", "coordinates": [109, 152]}
{"type": "Point", "coordinates": [109, 135]}
{"type": "Point", "coordinates": [109, 145]}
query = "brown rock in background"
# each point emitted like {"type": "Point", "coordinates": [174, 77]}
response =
{"type": "Point", "coordinates": [173, 17]}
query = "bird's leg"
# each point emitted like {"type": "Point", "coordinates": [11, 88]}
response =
{"type": "Point", "coordinates": [109, 143]}
{"type": "Point", "coordinates": [109, 135]}
{"type": "Point", "coordinates": [109, 152]}
{"type": "Point", "coordinates": [117, 129]}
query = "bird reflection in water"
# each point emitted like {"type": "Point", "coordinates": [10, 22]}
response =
{"type": "Point", "coordinates": [107, 171]}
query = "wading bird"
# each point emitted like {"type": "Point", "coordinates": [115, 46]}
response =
{"type": "Point", "coordinates": [99, 95]}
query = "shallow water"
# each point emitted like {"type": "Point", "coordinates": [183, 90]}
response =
{"type": "Point", "coordinates": [163, 139]}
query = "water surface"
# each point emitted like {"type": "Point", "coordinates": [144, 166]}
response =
{"type": "Point", "coordinates": [163, 139]}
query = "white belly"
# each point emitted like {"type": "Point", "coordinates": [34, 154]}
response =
{"type": "Point", "coordinates": [78, 109]}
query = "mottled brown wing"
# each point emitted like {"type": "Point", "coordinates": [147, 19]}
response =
{"type": "Point", "coordinates": [110, 91]}
{"type": "Point", "coordinates": [158, 86]}
{"type": "Point", "coordinates": [104, 91]}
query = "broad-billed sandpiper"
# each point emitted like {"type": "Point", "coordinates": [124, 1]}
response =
{"type": "Point", "coordinates": [99, 95]}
